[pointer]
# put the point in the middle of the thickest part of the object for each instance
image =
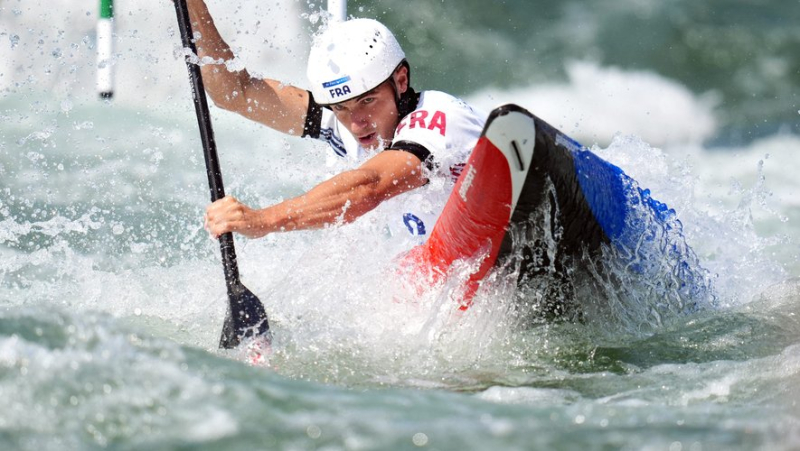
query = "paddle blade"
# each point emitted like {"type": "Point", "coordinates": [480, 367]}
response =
{"type": "Point", "coordinates": [245, 318]}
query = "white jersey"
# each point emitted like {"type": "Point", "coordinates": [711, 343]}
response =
{"type": "Point", "coordinates": [442, 131]}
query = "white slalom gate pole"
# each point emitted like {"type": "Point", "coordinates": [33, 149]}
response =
{"type": "Point", "coordinates": [338, 9]}
{"type": "Point", "coordinates": [105, 50]}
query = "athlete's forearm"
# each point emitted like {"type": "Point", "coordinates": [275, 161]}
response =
{"type": "Point", "coordinates": [341, 199]}
{"type": "Point", "coordinates": [349, 195]}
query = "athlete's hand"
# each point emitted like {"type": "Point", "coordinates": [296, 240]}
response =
{"type": "Point", "coordinates": [230, 215]}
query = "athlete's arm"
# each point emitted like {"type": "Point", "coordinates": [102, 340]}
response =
{"type": "Point", "coordinates": [267, 101]}
{"type": "Point", "coordinates": [343, 198]}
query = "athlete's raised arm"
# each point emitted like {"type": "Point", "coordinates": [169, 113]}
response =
{"type": "Point", "coordinates": [344, 197]}
{"type": "Point", "coordinates": [281, 107]}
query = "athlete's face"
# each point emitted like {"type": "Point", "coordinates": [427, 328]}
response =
{"type": "Point", "coordinates": [372, 117]}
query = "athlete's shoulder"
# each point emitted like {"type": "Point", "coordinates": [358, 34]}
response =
{"type": "Point", "coordinates": [444, 99]}
{"type": "Point", "coordinates": [443, 124]}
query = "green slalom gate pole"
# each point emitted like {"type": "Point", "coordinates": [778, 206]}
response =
{"type": "Point", "coordinates": [105, 50]}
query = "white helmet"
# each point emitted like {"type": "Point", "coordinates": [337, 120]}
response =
{"type": "Point", "coordinates": [351, 58]}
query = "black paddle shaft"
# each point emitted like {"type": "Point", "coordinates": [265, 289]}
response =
{"type": "Point", "coordinates": [246, 315]}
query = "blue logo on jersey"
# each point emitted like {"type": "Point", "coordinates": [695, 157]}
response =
{"type": "Point", "coordinates": [414, 224]}
{"type": "Point", "coordinates": [330, 84]}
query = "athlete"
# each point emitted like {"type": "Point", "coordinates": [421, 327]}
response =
{"type": "Point", "coordinates": [362, 104]}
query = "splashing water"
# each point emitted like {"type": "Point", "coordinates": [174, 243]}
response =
{"type": "Point", "coordinates": [112, 297]}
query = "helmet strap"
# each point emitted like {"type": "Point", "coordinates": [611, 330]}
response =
{"type": "Point", "coordinates": [407, 101]}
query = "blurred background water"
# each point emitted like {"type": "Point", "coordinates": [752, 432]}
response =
{"type": "Point", "coordinates": [112, 295]}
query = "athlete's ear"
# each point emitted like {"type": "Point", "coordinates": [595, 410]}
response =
{"type": "Point", "coordinates": [401, 79]}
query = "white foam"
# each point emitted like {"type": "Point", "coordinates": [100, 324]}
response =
{"type": "Point", "coordinates": [597, 102]}
{"type": "Point", "coordinates": [731, 169]}
{"type": "Point", "coordinates": [527, 395]}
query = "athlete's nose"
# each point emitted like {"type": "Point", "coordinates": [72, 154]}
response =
{"type": "Point", "coordinates": [359, 120]}
{"type": "Point", "coordinates": [359, 117]}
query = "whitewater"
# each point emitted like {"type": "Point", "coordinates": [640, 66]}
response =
{"type": "Point", "coordinates": [112, 295]}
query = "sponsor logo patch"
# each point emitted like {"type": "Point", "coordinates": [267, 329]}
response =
{"type": "Point", "coordinates": [414, 224]}
{"type": "Point", "coordinates": [330, 84]}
